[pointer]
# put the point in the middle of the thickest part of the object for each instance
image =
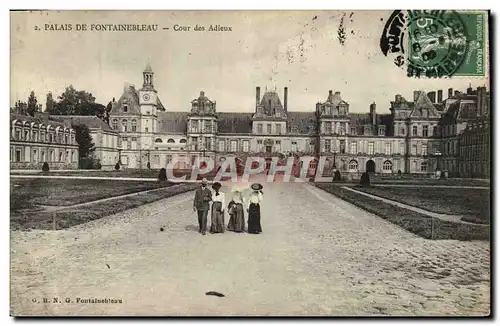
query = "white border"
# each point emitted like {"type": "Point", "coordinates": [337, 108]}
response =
{"type": "Point", "coordinates": [184, 4]}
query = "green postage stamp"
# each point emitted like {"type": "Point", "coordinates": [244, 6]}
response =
{"type": "Point", "coordinates": [446, 43]}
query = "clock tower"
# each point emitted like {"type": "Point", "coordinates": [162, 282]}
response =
{"type": "Point", "coordinates": [148, 101]}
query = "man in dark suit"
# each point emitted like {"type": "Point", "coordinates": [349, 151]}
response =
{"type": "Point", "coordinates": [201, 204]}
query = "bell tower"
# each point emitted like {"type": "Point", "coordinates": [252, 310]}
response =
{"type": "Point", "coordinates": [148, 102]}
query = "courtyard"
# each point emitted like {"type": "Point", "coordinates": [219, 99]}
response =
{"type": "Point", "coordinates": [317, 255]}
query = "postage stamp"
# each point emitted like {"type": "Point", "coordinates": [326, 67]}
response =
{"type": "Point", "coordinates": [439, 43]}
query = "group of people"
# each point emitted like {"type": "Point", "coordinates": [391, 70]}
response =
{"type": "Point", "coordinates": [236, 209]}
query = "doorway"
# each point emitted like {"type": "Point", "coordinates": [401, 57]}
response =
{"type": "Point", "coordinates": [370, 166]}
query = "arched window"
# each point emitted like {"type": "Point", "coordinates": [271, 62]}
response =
{"type": "Point", "coordinates": [134, 125]}
{"type": "Point", "coordinates": [353, 165]}
{"type": "Point", "coordinates": [158, 140]}
{"type": "Point", "coordinates": [124, 125]}
{"type": "Point", "coordinates": [170, 141]}
{"type": "Point", "coordinates": [423, 167]}
{"type": "Point", "coordinates": [183, 141]}
{"type": "Point", "coordinates": [114, 124]}
{"type": "Point", "coordinates": [387, 166]}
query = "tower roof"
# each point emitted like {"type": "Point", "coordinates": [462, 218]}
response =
{"type": "Point", "coordinates": [148, 68]}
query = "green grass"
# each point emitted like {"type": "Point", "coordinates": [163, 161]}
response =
{"type": "Point", "coordinates": [417, 223]}
{"type": "Point", "coordinates": [470, 203]}
{"type": "Point", "coordinates": [69, 217]}
{"type": "Point", "coordinates": [29, 193]}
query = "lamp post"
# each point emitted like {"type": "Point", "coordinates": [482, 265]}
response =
{"type": "Point", "coordinates": [334, 156]}
{"type": "Point", "coordinates": [438, 155]}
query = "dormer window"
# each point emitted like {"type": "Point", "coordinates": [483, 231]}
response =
{"type": "Point", "coordinates": [125, 108]}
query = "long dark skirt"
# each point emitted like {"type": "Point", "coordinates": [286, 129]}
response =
{"type": "Point", "coordinates": [217, 218]}
{"type": "Point", "coordinates": [237, 219]}
{"type": "Point", "coordinates": [254, 219]}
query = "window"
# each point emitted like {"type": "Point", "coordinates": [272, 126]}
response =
{"type": "Point", "coordinates": [294, 146]}
{"type": "Point", "coordinates": [246, 145]}
{"type": "Point", "coordinates": [402, 131]}
{"type": "Point", "coordinates": [402, 148]}
{"type": "Point", "coordinates": [194, 143]}
{"type": "Point", "coordinates": [170, 141]}
{"type": "Point", "coordinates": [169, 159]}
{"type": "Point", "coordinates": [125, 108]}
{"type": "Point", "coordinates": [208, 126]}
{"type": "Point", "coordinates": [425, 131]}
{"type": "Point", "coordinates": [388, 148]}
{"type": "Point", "coordinates": [146, 129]}
{"type": "Point", "coordinates": [259, 142]}
{"type": "Point", "coordinates": [328, 127]}
{"type": "Point", "coordinates": [183, 141]}
{"type": "Point", "coordinates": [415, 132]}
{"type": "Point", "coordinates": [134, 125]}
{"type": "Point", "coordinates": [156, 159]}
{"type": "Point", "coordinates": [342, 146]}
{"type": "Point", "coordinates": [381, 131]}
{"type": "Point", "coordinates": [72, 139]}
{"type": "Point", "coordinates": [328, 145]}
{"type": "Point", "coordinates": [234, 145]}
{"type": "Point", "coordinates": [51, 138]}
{"type": "Point", "coordinates": [342, 129]}
{"type": "Point", "coordinates": [387, 166]}
{"type": "Point", "coordinates": [354, 148]}
{"type": "Point", "coordinates": [60, 156]}
{"type": "Point", "coordinates": [124, 159]}
{"type": "Point", "coordinates": [259, 128]}
{"type": "Point", "coordinates": [114, 124]}
{"type": "Point", "coordinates": [278, 129]}
{"type": "Point", "coordinates": [268, 128]}
{"type": "Point", "coordinates": [424, 149]}
{"type": "Point", "coordinates": [35, 136]}
{"type": "Point", "coordinates": [353, 165]}
{"type": "Point", "coordinates": [221, 146]}
{"type": "Point", "coordinates": [18, 155]}
{"type": "Point", "coordinates": [371, 148]}
{"type": "Point", "coordinates": [414, 149]}
{"type": "Point", "coordinates": [52, 156]}
{"type": "Point", "coordinates": [65, 139]}
{"type": "Point", "coordinates": [423, 167]}
{"type": "Point", "coordinates": [26, 135]}
{"type": "Point", "coordinates": [43, 156]}
{"type": "Point", "coordinates": [353, 131]}
{"type": "Point", "coordinates": [124, 125]}
{"type": "Point", "coordinates": [434, 131]}
{"type": "Point", "coordinates": [18, 134]}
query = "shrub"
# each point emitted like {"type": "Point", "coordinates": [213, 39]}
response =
{"type": "Point", "coordinates": [98, 165]}
{"type": "Point", "coordinates": [117, 166]}
{"type": "Point", "coordinates": [148, 165]}
{"type": "Point", "coordinates": [162, 176]}
{"type": "Point", "coordinates": [45, 167]}
{"type": "Point", "coordinates": [86, 163]}
{"type": "Point", "coordinates": [336, 176]}
{"type": "Point", "coordinates": [399, 172]}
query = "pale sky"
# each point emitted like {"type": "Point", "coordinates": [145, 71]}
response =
{"type": "Point", "coordinates": [273, 49]}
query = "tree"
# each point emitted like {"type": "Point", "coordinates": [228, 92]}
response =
{"type": "Point", "coordinates": [86, 146]}
{"type": "Point", "coordinates": [20, 108]}
{"type": "Point", "coordinates": [74, 102]}
{"type": "Point", "coordinates": [32, 104]}
{"type": "Point", "coordinates": [50, 103]}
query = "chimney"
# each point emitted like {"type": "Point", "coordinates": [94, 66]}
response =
{"type": "Point", "coordinates": [415, 95]}
{"type": "Point", "coordinates": [432, 96]}
{"type": "Point", "coordinates": [469, 90]}
{"type": "Point", "coordinates": [397, 98]}
{"type": "Point", "coordinates": [479, 101]}
{"type": "Point", "coordinates": [257, 96]}
{"type": "Point", "coordinates": [450, 92]}
{"type": "Point", "coordinates": [457, 93]}
{"type": "Point", "coordinates": [113, 100]}
{"type": "Point", "coordinates": [330, 93]}
{"type": "Point", "coordinates": [285, 99]}
{"type": "Point", "coordinates": [337, 93]}
{"type": "Point", "coordinates": [440, 96]}
{"type": "Point", "coordinates": [373, 113]}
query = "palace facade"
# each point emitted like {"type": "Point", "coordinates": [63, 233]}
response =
{"type": "Point", "coordinates": [419, 136]}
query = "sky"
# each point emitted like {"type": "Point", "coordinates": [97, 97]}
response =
{"type": "Point", "coordinates": [274, 49]}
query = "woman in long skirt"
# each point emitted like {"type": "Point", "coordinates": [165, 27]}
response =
{"type": "Point", "coordinates": [236, 212]}
{"type": "Point", "coordinates": [218, 203]}
{"type": "Point", "coordinates": [254, 201]}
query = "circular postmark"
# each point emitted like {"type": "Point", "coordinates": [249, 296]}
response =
{"type": "Point", "coordinates": [437, 43]}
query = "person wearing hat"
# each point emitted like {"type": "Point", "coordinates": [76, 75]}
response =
{"type": "Point", "coordinates": [236, 213]}
{"type": "Point", "coordinates": [218, 203]}
{"type": "Point", "coordinates": [253, 209]}
{"type": "Point", "coordinates": [201, 204]}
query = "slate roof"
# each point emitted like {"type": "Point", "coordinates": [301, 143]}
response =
{"type": "Point", "coordinates": [270, 97]}
{"type": "Point", "coordinates": [301, 122]}
{"type": "Point", "coordinates": [175, 122]}
{"type": "Point", "coordinates": [130, 96]}
{"type": "Point", "coordinates": [39, 118]}
{"type": "Point", "coordinates": [230, 122]}
{"type": "Point", "coordinates": [92, 122]}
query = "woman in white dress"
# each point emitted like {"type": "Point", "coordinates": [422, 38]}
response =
{"type": "Point", "coordinates": [253, 209]}
{"type": "Point", "coordinates": [218, 203]}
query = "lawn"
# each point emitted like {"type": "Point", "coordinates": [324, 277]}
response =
{"type": "Point", "coordinates": [37, 218]}
{"type": "Point", "coordinates": [29, 193]}
{"type": "Point", "coordinates": [470, 203]}
{"type": "Point", "coordinates": [417, 223]}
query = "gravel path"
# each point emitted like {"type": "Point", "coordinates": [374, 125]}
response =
{"type": "Point", "coordinates": [318, 255]}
